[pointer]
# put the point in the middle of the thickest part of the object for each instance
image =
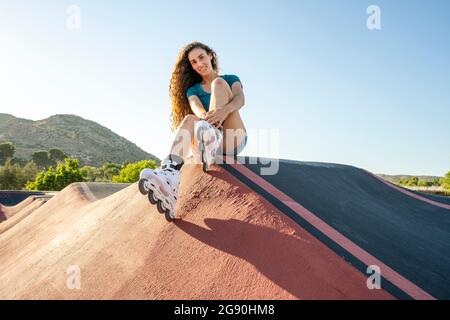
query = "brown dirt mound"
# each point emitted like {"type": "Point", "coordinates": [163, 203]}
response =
{"type": "Point", "coordinates": [9, 211]}
{"type": "Point", "coordinates": [21, 214]}
{"type": "Point", "coordinates": [230, 243]}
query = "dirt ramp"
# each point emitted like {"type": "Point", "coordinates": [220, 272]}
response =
{"type": "Point", "coordinates": [15, 214]}
{"type": "Point", "coordinates": [230, 243]}
{"type": "Point", "coordinates": [22, 214]}
{"type": "Point", "coordinates": [9, 211]}
{"type": "Point", "coordinates": [106, 239]}
{"type": "Point", "coordinates": [39, 227]}
{"type": "Point", "coordinates": [227, 242]}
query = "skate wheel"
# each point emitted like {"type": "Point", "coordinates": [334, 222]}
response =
{"type": "Point", "coordinates": [151, 197]}
{"type": "Point", "coordinates": [169, 215]}
{"type": "Point", "coordinates": [160, 207]}
{"type": "Point", "coordinates": [141, 185]}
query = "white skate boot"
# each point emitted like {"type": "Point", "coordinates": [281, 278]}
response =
{"type": "Point", "coordinates": [161, 186]}
{"type": "Point", "coordinates": [208, 142]}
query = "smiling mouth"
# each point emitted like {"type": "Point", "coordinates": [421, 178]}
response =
{"type": "Point", "coordinates": [203, 69]}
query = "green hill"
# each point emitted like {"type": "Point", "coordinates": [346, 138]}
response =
{"type": "Point", "coordinates": [83, 139]}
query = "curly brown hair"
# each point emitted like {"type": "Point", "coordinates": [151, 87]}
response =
{"type": "Point", "coordinates": [183, 77]}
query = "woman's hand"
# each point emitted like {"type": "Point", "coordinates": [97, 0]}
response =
{"type": "Point", "coordinates": [217, 117]}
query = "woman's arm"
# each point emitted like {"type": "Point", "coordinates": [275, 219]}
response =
{"type": "Point", "coordinates": [218, 116]}
{"type": "Point", "coordinates": [197, 106]}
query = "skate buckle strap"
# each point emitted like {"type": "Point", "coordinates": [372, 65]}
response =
{"type": "Point", "coordinates": [170, 165]}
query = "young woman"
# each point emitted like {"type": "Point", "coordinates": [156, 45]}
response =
{"type": "Point", "coordinates": [205, 115]}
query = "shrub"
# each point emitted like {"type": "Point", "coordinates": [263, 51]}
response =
{"type": "Point", "coordinates": [130, 173]}
{"type": "Point", "coordinates": [14, 177]}
{"type": "Point", "coordinates": [446, 181]}
{"type": "Point", "coordinates": [65, 174]}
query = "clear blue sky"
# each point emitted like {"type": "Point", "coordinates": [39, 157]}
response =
{"type": "Point", "coordinates": [335, 90]}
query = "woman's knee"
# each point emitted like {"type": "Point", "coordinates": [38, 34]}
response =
{"type": "Point", "coordinates": [218, 81]}
{"type": "Point", "coordinates": [186, 128]}
{"type": "Point", "coordinates": [189, 120]}
{"type": "Point", "coordinates": [221, 84]}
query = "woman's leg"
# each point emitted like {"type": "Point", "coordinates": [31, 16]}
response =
{"type": "Point", "coordinates": [220, 93]}
{"type": "Point", "coordinates": [233, 127]}
{"type": "Point", "coordinates": [182, 142]}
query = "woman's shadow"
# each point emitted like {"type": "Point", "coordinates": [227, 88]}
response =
{"type": "Point", "coordinates": [278, 256]}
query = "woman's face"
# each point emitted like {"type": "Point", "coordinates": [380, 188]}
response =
{"type": "Point", "coordinates": [200, 61]}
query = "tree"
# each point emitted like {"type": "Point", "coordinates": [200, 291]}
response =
{"type": "Point", "coordinates": [14, 177]}
{"type": "Point", "coordinates": [7, 150]}
{"type": "Point", "coordinates": [91, 174]}
{"type": "Point", "coordinates": [65, 174]}
{"type": "Point", "coordinates": [8, 176]}
{"type": "Point", "coordinates": [130, 173]}
{"type": "Point", "coordinates": [56, 155]}
{"type": "Point", "coordinates": [110, 170]}
{"type": "Point", "coordinates": [103, 174]}
{"type": "Point", "coordinates": [45, 180]}
{"type": "Point", "coordinates": [436, 182]}
{"type": "Point", "coordinates": [42, 160]}
{"type": "Point", "coordinates": [29, 173]}
{"type": "Point", "coordinates": [423, 183]}
{"type": "Point", "coordinates": [446, 181]}
{"type": "Point", "coordinates": [413, 181]}
{"type": "Point", "coordinates": [20, 161]}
